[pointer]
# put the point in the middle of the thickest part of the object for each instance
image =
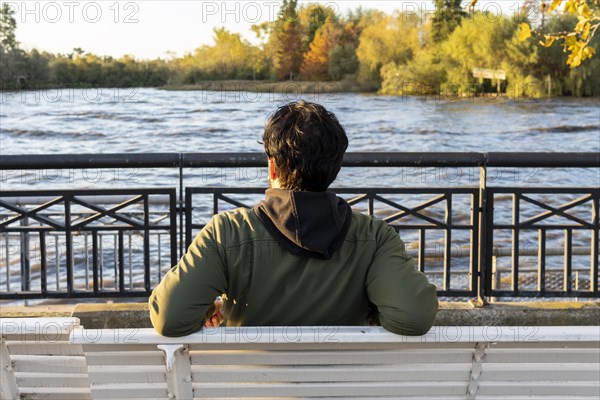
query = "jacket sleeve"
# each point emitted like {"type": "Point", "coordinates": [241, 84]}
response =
{"type": "Point", "coordinates": [179, 303]}
{"type": "Point", "coordinates": [407, 303]}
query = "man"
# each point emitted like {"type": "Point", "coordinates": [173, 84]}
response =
{"type": "Point", "coordinates": [299, 257]}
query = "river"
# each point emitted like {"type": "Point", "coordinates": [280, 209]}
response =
{"type": "Point", "coordinates": [146, 120]}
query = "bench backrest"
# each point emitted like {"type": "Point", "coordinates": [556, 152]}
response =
{"type": "Point", "coordinates": [278, 362]}
{"type": "Point", "coordinates": [55, 358]}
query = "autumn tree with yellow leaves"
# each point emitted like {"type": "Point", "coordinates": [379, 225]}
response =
{"type": "Point", "coordinates": [315, 65]}
{"type": "Point", "coordinates": [577, 41]}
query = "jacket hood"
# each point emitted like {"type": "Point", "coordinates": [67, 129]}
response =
{"type": "Point", "coordinates": [312, 224]}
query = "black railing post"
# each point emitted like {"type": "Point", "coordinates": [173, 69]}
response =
{"type": "Point", "coordinates": [181, 207]}
{"type": "Point", "coordinates": [482, 264]}
{"type": "Point", "coordinates": [474, 243]}
{"type": "Point", "coordinates": [25, 261]}
{"type": "Point", "coordinates": [594, 244]}
{"type": "Point", "coordinates": [173, 232]}
{"type": "Point", "coordinates": [188, 217]}
{"type": "Point", "coordinates": [43, 265]}
{"type": "Point", "coordinates": [146, 243]}
{"type": "Point", "coordinates": [448, 241]}
{"type": "Point", "coordinates": [69, 243]}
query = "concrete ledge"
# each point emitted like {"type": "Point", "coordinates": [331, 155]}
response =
{"type": "Point", "coordinates": [520, 314]}
{"type": "Point", "coordinates": [135, 315]}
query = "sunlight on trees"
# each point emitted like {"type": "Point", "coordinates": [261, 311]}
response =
{"type": "Point", "coordinates": [538, 49]}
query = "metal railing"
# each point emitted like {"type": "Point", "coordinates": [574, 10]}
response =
{"type": "Point", "coordinates": [456, 234]}
{"type": "Point", "coordinates": [77, 220]}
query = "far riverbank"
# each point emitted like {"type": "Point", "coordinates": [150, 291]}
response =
{"type": "Point", "coordinates": [277, 86]}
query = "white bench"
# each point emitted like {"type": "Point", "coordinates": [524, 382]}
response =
{"type": "Point", "coordinates": [39, 362]}
{"type": "Point", "coordinates": [307, 362]}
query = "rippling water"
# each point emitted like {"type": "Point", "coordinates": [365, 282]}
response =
{"type": "Point", "coordinates": [147, 120]}
{"type": "Point", "coordinates": [150, 120]}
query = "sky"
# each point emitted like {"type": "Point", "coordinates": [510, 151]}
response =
{"type": "Point", "coordinates": [149, 29]}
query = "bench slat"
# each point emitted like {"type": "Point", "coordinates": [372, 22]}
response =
{"type": "Point", "coordinates": [52, 364]}
{"type": "Point", "coordinates": [44, 348]}
{"type": "Point", "coordinates": [127, 374]}
{"type": "Point", "coordinates": [541, 372]}
{"type": "Point", "coordinates": [43, 327]}
{"type": "Point", "coordinates": [47, 380]}
{"type": "Point", "coordinates": [539, 388]}
{"type": "Point", "coordinates": [129, 391]}
{"type": "Point", "coordinates": [414, 373]}
{"type": "Point", "coordinates": [345, 389]}
{"type": "Point", "coordinates": [126, 358]}
{"type": "Point", "coordinates": [283, 357]}
{"type": "Point", "coordinates": [543, 355]}
{"type": "Point", "coordinates": [53, 393]}
{"type": "Point", "coordinates": [333, 336]}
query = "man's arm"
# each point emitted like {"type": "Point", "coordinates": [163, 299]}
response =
{"type": "Point", "coordinates": [179, 304]}
{"type": "Point", "coordinates": [406, 301]}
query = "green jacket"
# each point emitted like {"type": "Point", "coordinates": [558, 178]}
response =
{"type": "Point", "coordinates": [297, 258]}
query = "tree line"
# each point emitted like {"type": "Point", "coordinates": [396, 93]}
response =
{"type": "Point", "coordinates": [401, 53]}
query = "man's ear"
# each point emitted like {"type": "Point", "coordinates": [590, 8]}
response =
{"type": "Point", "coordinates": [272, 170]}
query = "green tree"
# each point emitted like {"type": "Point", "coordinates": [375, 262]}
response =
{"type": "Point", "coordinates": [477, 43]}
{"type": "Point", "coordinates": [12, 58]}
{"type": "Point", "coordinates": [230, 57]}
{"type": "Point", "coordinates": [311, 18]}
{"type": "Point", "coordinates": [285, 42]}
{"type": "Point", "coordinates": [447, 17]}
{"type": "Point", "coordinates": [420, 76]}
{"type": "Point", "coordinates": [387, 39]}
{"type": "Point", "coordinates": [8, 26]}
{"type": "Point", "coordinates": [342, 61]}
{"type": "Point", "coordinates": [37, 67]}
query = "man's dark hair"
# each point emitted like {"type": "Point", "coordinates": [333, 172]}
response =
{"type": "Point", "coordinates": [307, 143]}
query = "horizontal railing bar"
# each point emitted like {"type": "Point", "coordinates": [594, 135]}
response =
{"type": "Point", "coordinates": [542, 226]}
{"type": "Point", "coordinates": [66, 295]}
{"type": "Point", "coordinates": [88, 192]}
{"type": "Point", "coordinates": [533, 251]}
{"type": "Point", "coordinates": [339, 190]}
{"type": "Point", "coordinates": [544, 160]}
{"type": "Point", "coordinates": [546, 293]}
{"type": "Point", "coordinates": [356, 159]}
{"type": "Point", "coordinates": [85, 228]}
{"type": "Point", "coordinates": [542, 190]}
{"type": "Point", "coordinates": [38, 200]}
{"type": "Point", "coordinates": [72, 161]}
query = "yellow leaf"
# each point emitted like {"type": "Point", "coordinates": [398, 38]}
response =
{"type": "Point", "coordinates": [548, 42]}
{"type": "Point", "coordinates": [574, 60]}
{"type": "Point", "coordinates": [555, 3]}
{"type": "Point", "coordinates": [524, 32]}
{"type": "Point", "coordinates": [587, 52]}
{"type": "Point", "coordinates": [581, 24]}
{"type": "Point", "coordinates": [586, 31]}
{"type": "Point", "coordinates": [584, 10]}
{"type": "Point", "coordinates": [571, 6]}
{"type": "Point", "coordinates": [570, 41]}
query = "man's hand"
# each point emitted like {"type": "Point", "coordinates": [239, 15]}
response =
{"type": "Point", "coordinates": [216, 318]}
